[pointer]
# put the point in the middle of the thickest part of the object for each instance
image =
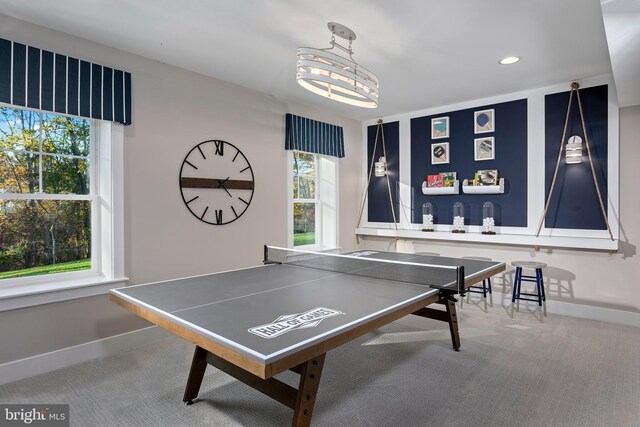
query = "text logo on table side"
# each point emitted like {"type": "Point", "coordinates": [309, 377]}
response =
{"type": "Point", "coordinates": [289, 322]}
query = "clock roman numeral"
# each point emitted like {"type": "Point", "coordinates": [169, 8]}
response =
{"type": "Point", "coordinates": [219, 148]}
{"type": "Point", "coordinates": [234, 157]}
{"type": "Point", "coordinates": [201, 153]}
{"type": "Point", "coordinates": [191, 164]}
{"type": "Point", "coordinates": [234, 211]}
{"type": "Point", "coordinates": [192, 199]}
{"type": "Point", "coordinates": [243, 200]}
{"type": "Point", "coordinates": [219, 216]}
{"type": "Point", "coordinates": [245, 169]}
{"type": "Point", "coordinates": [205, 212]}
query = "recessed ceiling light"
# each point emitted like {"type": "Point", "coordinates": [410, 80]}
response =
{"type": "Point", "coordinates": [509, 60]}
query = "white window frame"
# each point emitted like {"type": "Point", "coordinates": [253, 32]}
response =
{"type": "Point", "coordinates": [107, 229]}
{"type": "Point", "coordinates": [326, 199]}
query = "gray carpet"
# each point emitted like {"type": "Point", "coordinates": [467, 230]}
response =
{"type": "Point", "coordinates": [514, 369]}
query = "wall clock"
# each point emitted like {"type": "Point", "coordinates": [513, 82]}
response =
{"type": "Point", "coordinates": [216, 182]}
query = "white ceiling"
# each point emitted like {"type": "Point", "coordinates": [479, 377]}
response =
{"type": "Point", "coordinates": [425, 53]}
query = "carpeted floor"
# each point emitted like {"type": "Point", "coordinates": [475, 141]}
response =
{"type": "Point", "coordinates": [514, 369]}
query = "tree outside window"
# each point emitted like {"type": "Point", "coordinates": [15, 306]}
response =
{"type": "Point", "coordinates": [45, 193]}
{"type": "Point", "coordinates": [305, 202]}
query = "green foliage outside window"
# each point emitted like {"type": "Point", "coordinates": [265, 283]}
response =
{"type": "Point", "coordinates": [43, 154]}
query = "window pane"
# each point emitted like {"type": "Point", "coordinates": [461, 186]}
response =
{"type": "Point", "coordinates": [19, 172]}
{"type": "Point", "coordinates": [19, 129]}
{"type": "Point", "coordinates": [65, 175]}
{"type": "Point", "coordinates": [44, 237]}
{"type": "Point", "coordinates": [304, 224]}
{"type": "Point", "coordinates": [304, 176]}
{"type": "Point", "coordinates": [65, 135]}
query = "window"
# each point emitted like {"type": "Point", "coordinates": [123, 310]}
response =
{"type": "Point", "coordinates": [54, 188]}
{"type": "Point", "coordinates": [45, 210]}
{"type": "Point", "coordinates": [313, 201]}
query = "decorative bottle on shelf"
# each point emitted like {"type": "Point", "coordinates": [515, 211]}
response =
{"type": "Point", "coordinates": [427, 217]}
{"type": "Point", "coordinates": [458, 218]}
{"type": "Point", "coordinates": [488, 222]}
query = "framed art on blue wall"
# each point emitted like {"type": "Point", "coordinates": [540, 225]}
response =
{"type": "Point", "coordinates": [440, 153]}
{"type": "Point", "coordinates": [484, 121]}
{"type": "Point", "coordinates": [440, 127]}
{"type": "Point", "coordinates": [484, 148]}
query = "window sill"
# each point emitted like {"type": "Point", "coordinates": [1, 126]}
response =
{"type": "Point", "coordinates": [15, 297]}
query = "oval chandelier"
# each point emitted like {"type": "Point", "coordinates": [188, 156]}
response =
{"type": "Point", "coordinates": [335, 76]}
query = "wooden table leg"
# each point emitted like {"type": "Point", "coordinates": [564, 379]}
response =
{"type": "Point", "coordinates": [307, 391]}
{"type": "Point", "coordinates": [450, 305]}
{"type": "Point", "coordinates": [196, 373]}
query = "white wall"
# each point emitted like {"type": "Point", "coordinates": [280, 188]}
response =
{"type": "Point", "coordinates": [584, 277]}
{"type": "Point", "coordinates": [173, 110]}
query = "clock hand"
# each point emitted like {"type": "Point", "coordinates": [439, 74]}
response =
{"type": "Point", "coordinates": [221, 184]}
{"type": "Point", "coordinates": [236, 184]}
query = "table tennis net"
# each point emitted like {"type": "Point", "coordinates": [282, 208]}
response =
{"type": "Point", "coordinates": [450, 278]}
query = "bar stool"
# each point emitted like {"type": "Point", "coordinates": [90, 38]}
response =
{"type": "Point", "coordinates": [537, 279]}
{"type": "Point", "coordinates": [486, 284]}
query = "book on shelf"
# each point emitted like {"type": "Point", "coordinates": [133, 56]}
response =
{"type": "Point", "coordinates": [448, 179]}
{"type": "Point", "coordinates": [486, 177]}
{"type": "Point", "coordinates": [434, 181]}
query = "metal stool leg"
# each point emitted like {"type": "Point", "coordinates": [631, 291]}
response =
{"type": "Point", "coordinates": [516, 283]}
{"type": "Point", "coordinates": [489, 283]}
{"type": "Point", "coordinates": [539, 273]}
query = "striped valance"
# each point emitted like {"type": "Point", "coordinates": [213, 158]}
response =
{"type": "Point", "coordinates": [36, 78]}
{"type": "Point", "coordinates": [313, 136]}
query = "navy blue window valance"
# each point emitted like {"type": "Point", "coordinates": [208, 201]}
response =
{"type": "Point", "coordinates": [312, 136]}
{"type": "Point", "coordinates": [36, 78]}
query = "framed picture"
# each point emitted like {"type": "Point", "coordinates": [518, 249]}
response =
{"type": "Point", "coordinates": [440, 153]}
{"type": "Point", "coordinates": [487, 177]}
{"type": "Point", "coordinates": [484, 121]}
{"type": "Point", "coordinates": [484, 148]}
{"type": "Point", "coordinates": [440, 128]}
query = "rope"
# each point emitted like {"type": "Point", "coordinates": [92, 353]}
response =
{"type": "Point", "coordinates": [593, 171]}
{"type": "Point", "coordinates": [555, 173]}
{"type": "Point", "coordinates": [364, 194]}
{"type": "Point", "coordinates": [574, 87]}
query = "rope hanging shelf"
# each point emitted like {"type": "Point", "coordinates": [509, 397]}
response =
{"type": "Point", "coordinates": [575, 87]}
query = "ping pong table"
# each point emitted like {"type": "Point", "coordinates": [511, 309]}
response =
{"type": "Point", "coordinates": [257, 322]}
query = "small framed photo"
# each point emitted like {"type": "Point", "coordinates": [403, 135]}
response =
{"type": "Point", "coordinates": [440, 153]}
{"type": "Point", "coordinates": [484, 121]}
{"type": "Point", "coordinates": [440, 127]}
{"type": "Point", "coordinates": [484, 148]}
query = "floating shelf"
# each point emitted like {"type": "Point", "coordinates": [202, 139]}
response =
{"type": "Point", "coordinates": [439, 191]}
{"type": "Point", "coordinates": [483, 189]}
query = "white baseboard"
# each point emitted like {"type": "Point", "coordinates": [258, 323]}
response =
{"type": "Point", "coordinates": [46, 362]}
{"type": "Point", "coordinates": [581, 311]}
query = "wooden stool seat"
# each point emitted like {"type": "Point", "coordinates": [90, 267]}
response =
{"type": "Point", "coordinates": [537, 279]}
{"type": "Point", "coordinates": [477, 289]}
{"type": "Point", "coordinates": [528, 264]}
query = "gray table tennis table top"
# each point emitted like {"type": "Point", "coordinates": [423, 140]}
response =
{"type": "Point", "coordinates": [224, 307]}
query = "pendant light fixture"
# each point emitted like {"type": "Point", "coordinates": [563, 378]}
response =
{"type": "Point", "coordinates": [327, 73]}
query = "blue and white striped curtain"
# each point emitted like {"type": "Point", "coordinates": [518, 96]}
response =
{"type": "Point", "coordinates": [36, 78]}
{"type": "Point", "coordinates": [312, 136]}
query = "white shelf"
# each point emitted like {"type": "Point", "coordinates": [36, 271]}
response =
{"type": "Point", "coordinates": [439, 191]}
{"type": "Point", "coordinates": [602, 244]}
{"type": "Point", "coordinates": [483, 189]}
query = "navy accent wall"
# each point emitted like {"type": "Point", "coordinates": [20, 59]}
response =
{"type": "Point", "coordinates": [379, 208]}
{"type": "Point", "coordinates": [574, 203]}
{"type": "Point", "coordinates": [510, 161]}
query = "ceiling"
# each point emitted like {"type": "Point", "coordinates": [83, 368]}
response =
{"type": "Point", "coordinates": [425, 53]}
